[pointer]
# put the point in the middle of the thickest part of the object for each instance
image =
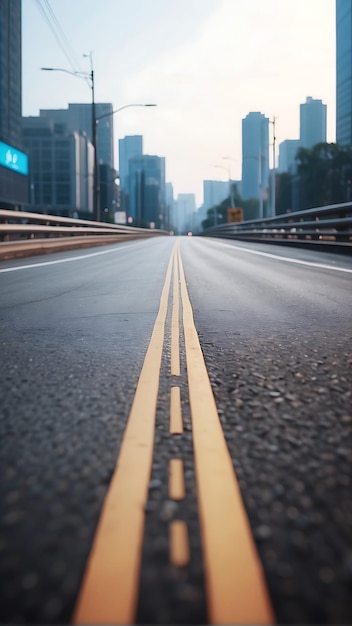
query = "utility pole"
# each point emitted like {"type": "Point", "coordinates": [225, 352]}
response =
{"type": "Point", "coordinates": [96, 188]}
{"type": "Point", "coordinates": [260, 181]}
{"type": "Point", "coordinates": [273, 179]}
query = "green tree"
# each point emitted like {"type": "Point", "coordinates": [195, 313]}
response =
{"type": "Point", "coordinates": [325, 173]}
{"type": "Point", "coordinates": [283, 193]}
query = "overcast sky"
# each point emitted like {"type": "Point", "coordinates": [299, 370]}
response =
{"type": "Point", "coordinates": [205, 63]}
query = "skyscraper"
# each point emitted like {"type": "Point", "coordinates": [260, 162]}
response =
{"type": "Point", "coordinates": [13, 162]}
{"type": "Point", "coordinates": [186, 207]}
{"type": "Point", "coordinates": [147, 189]}
{"type": "Point", "coordinates": [312, 122]}
{"type": "Point", "coordinates": [287, 154]}
{"type": "Point", "coordinates": [214, 192]}
{"type": "Point", "coordinates": [61, 167]}
{"type": "Point", "coordinates": [78, 119]}
{"type": "Point", "coordinates": [344, 72]}
{"type": "Point", "coordinates": [255, 156]}
{"type": "Point", "coordinates": [129, 147]}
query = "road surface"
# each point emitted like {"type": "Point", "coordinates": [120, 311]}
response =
{"type": "Point", "coordinates": [233, 511]}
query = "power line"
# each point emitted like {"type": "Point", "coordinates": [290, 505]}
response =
{"type": "Point", "coordinates": [58, 32]}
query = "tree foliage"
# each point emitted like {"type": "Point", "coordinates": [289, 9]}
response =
{"type": "Point", "coordinates": [325, 174]}
{"type": "Point", "coordinates": [283, 192]}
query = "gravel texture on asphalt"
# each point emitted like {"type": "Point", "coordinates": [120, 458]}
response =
{"type": "Point", "coordinates": [169, 594]}
{"type": "Point", "coordinates": [281, 376]}
{"type": "Point", "coordinates": [279, 362]}
{"type": "Point", "coordinates": [60, 438]}
{"type": "Point", "coordinates": [288, 426]}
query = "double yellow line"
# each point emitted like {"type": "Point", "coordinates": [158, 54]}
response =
{"type": "Point", "coordinates": [235, 586]}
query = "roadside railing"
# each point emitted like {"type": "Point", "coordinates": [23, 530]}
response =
{"type": "Point", "coordinates": [24, 233]}
{"type": "Point", "coordinates": [329, 227]}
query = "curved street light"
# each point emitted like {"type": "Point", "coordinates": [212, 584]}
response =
{"type": "Point", "coordinates": [95, 121]}
{"type": "Point", "coordinates": [125, 106]}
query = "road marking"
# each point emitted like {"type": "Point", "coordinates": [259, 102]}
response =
{"type": "Point", "coordinates": [73, 258]}
{"type": "Point", "coordinates": [110, 586]}
{"type": "Point", "coordinates": [175, 326]}
{"type": "Point", "coordinates": [291, 260]}
{"type": "Point", "coordinates": [179, 544]}
{"type": "Point", "coordinates": [235, 585]}
{"type": "Point", "coordinates": [176, 425]}
{"type": "Point", "coordinates": [177, 489]}
{"type": "Point", "coordinates": [44, 263]}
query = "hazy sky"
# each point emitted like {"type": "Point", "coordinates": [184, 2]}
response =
{"type": "Point", "coordinates": [205, 63]}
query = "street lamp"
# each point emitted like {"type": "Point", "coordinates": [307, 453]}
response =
{"type": "Point", "coordinates": [273, 180]}
{"type": "Point", "coordinates": [95, 121]}
{"type": "Point", "coordinates": [90, 76]}
{"type": "Point", "coordinates": [125, 106]}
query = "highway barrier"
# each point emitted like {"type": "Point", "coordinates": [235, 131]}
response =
{"type": "Point", "coordinates": [25, 233]}
{"type": "Point", "coordinates": [328, 227]}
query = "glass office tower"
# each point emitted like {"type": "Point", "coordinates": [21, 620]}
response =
{"type": "Point", "coordinates": [13, 161]}
{"type": "Point", "coordinates": [344, 72]}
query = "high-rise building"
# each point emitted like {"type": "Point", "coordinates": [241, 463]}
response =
{"type": "Point", "coordinates": [13, 161]}
{"type": "Point", "coordinates": [255, 156]}
{"type": "Point", "coordinates": [312, 122]}
{"type": "Point", "coordinates": [344, 72]}
{"type": "Point", "coordinates": [129, 147]}
{"type": "Point", "coordinates": [186, 208]}
{"type": "Point", "coordinates": [169, 205]}
{"type": "Point", "coordinates": [147, 189]}
{"type": "Point", "coordinates": [214, 192]}
{"type": "Point", "coordinates": [287, 154]}
{"type": "Point", "coordinates": [78, 118]}
{"type": "Point", "coordinates": [61, 168]}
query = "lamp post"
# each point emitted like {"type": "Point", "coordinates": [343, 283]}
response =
{"type": "Point", "coordinates": [95, 120]}
{"type": "Point", "coordinates": [90, 76]}
{"type": "Point", "coordinates": [273, 181]}
{"type": "Point", "coordinates": [125, 106]}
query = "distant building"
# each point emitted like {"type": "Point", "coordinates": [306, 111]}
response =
{"type": "Point", "coordinates": [169, 206]}
{"type": "Point", "coordinates": [13, 160]}
{"type": "Point", "coordinates": [214, 192]}
{"type": "Point", "coordinates": [129, 147]}
{"type": "Point", "coordinates": [287, 154]}
{"type": "Point", "coordinates": [185, 212]}
{"type": "Point", "coordinates": [61, 168]}
{"type": "Point", "coordinates": [146, 177]}
{"type": "Point", "coordinates": [312, 123]}
{"type": "Point", "coordinates": [109, 192]}
{"type": "Point", "coordinates": [344, 72]}
{"type": "Point", "coordinates": [78, 118]}
{"type": "Point", "coordinates": [255, 156]}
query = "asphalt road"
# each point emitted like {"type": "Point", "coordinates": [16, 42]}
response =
{"type": "Point", "coordinates": [275, 328]}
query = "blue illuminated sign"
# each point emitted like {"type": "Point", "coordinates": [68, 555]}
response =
{"type": "Point", "coordinates": [13, 159]}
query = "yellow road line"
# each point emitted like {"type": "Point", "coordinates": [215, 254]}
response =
{"type": "Point", "coordinates": [176, 424]}
{"type": "Point", "coordinates": [179, 545]}
{"type": "Point", "coordinates": [235, 585]}
{"type": "Point", "coordinates": [110, 586]}
{"type": "Point", "coordinates": [176, 480]}
{"type": "Point", "coordinates": [175, 325]}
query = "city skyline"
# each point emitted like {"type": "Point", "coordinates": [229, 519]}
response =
{"type": "Point", "coordinates": [201, 72]}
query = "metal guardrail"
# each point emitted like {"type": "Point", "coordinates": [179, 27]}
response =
{"type": "Point", "coordinates": [24, 233]}
{"type": "Point", "coordinates": [329, 226]}
{"type": "Point", "coordinates": [19, 225]}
